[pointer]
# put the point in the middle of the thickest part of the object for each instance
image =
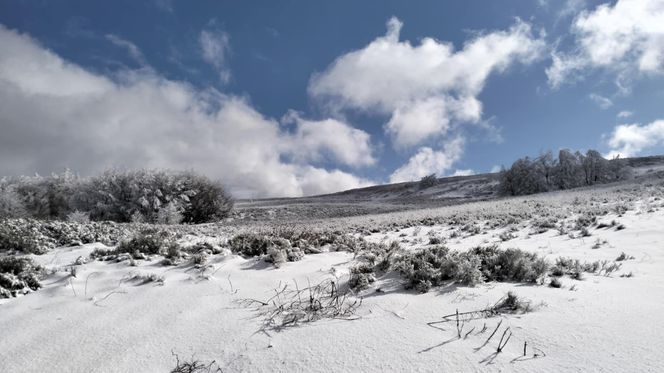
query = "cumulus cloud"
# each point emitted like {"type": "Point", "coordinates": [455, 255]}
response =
{"type": "Point", "coordinates": [55, 114]}
{"type": "Point", "coordinates": [623, 37]}
{"type": "Point", "coordinates": [215, 46]}
{"type": "Point", "coordinates": [601, 101]}
{"type": "Point", "coordinates": [313, 139]}
{"type": "Point", "coordinates": [628, 140]}
{"type": "Point", "coordinates": [428, 161]}
{"type": "Point", "coordinates": [425, 88]}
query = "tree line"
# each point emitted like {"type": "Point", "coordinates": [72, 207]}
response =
{"type": "Point", "coordinates": [569, 170]}
{"type": "Point", "coordinates": [150, 196]}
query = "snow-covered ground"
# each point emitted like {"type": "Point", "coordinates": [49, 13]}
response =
{"type": "Point", "coordinates": [107, 320]}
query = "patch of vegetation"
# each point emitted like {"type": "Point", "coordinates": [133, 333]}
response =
{"type": "Point", "coordinates": [273, 249]}
{"type": "Point", "coordinates": [574, 268]}
{"type": "Point", "coordinates": [292, 305]}
{"type": "Point", "coordinates": [569, 170]}
{"type": "Point", "coordinates": [151, 196]}
{"type": "Point", "coordinates": [21, 236]}
{"type": "Point", "coordinates": [194, 366]}
{"type": "Point", "coordinates": [18, 276]}
{"type": "Point", "coordinates": [144, 278]}
{"type": "Point", "coordinates": [147, 242]}
{"type": "Point", "coordinates": [624, 256]}
{"type": "Point", "coordinates": [434, 266]}
{"type": "Point", "coordinates": [555, 283]}
{"type": "Point", "coordinates": [33, 236]}
{"type": "Point", "coordinates": [361, 277]}
{"type": "Point", "coordinates": [428, 181]}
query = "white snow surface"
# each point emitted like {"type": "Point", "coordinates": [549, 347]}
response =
{"type": "Point", "coordinates": [96, 322]}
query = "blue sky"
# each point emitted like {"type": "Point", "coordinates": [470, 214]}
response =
{"type": "Point", "coordinates": [303, 97]}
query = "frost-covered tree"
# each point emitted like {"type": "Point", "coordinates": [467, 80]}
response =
{"type": "Point", "coordinates": [11, 204]}
{"type": "Point", "coordinates": [570, 170]}
{"type": "Point", "coordinates": [48, 197]}
{"type": "Point", "coordinates": [151, 196]}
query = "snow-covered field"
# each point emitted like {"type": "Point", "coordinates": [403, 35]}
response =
{"type": "Point", "coordinates": [112, 317]}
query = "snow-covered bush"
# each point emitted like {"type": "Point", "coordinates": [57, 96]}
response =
{"type": "Point", "coordinates": [24, 235]}
{"type": "Point", "coordinates": [273, 249]}
{"type": "Point", "coordinates": [433, 266]}
{"type": "Point", "coordinates": [361, 277]}
{"type": "Point", "coordinates": [510, 264]}
{"type": "Point", "coordinates": [150, 242]}
{"type": "Point", "coordinates": [249, 244]}
{"type": "Point", "coordinates": [150, 196]}
{"type": "Point", "coordinates": [154, 197]}
{"type": "Point", "coordinates": [18, 275]}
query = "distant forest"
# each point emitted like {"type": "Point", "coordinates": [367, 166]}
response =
{"type": "Point", "coordinates": [569, 170]}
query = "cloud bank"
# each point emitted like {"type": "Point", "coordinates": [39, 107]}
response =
{"type": "Point", "coordinates": [425, 90]}
{"type": "Point", "coordinates": [55, 114]}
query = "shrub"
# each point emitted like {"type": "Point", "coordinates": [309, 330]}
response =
{"type": "Point", "coordinates": [510, 264]}
{"type": "Point", "coordinates": [145, 278]}
{"type": "Point", "coordinates": [274, 249]}
{"type": "Point", "coordinates": [149, 242]}
{"type": "Point", "coordinates": [433, 266]}
{"type": "Point", "coordinates": [207, 200]}
{"type": "Point", "coordinates": [555, 283]}
{"type": "Point", "coordinates": [428, 181]}
{"type": "Point", "coordinates": [150, 196]}
{"type": "Point", "coordinates": [24, 236]}
{"type": "Point", "coordinates": [623, 256]}
{"type": "Point", "coordinates": [468, 270]}
{"type": "Point", "coordinates": [361, 277]}
{"type": "Point", "coordinates": [512, 303]}
{"type": "Point", "coordinates": [18, 275]}
{"type": "Point", "coordinates": [506, 236]}
{"type": "Point", "coordinates": [249, 244]}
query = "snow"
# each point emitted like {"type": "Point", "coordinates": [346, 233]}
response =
{"type": "Point", "coordinates": [599, 324]}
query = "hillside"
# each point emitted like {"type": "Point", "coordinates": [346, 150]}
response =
{"type": "Point", "coordinates": [401, 196]}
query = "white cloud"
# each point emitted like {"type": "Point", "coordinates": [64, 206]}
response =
{"type": "Point", "coordinates": [424, 88]}
{"type": "Point", "coordinates": [427, 161]}
{"type": "Point", "coordinates": [317, 181]}
{"type": "Point", "coordinates": [215, 46]}
{"type": "Point", "coordinates": [601, 101]}
{"type": "Point", "coordinates": [55, 114]}
{"type": "Point", "coordinates": [625, 114]}
{"type": "Point", "coordinates": [623, 37]}
{"type": "Point", "coordinates": [344, 143]}
{"type": "Point", "coordinates": [496, 168]}
{"type": "Point", "coordinates": [465, 172]}
{"type": "Point", "coordinates": [130, 47]}
{"type": "Point", "coordinates": [628, 140]}
{"type": "Point", "coordinates": [416, 122]}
